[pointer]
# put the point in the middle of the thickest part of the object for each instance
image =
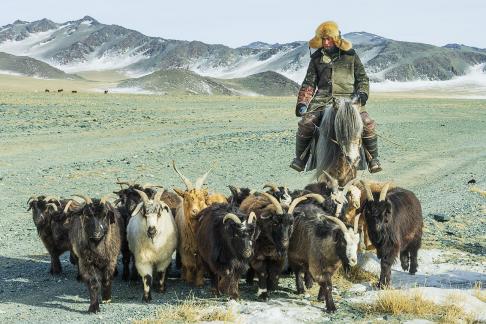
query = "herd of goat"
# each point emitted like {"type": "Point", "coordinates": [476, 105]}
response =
{"type": "Point", "coordinates": [313, 231]}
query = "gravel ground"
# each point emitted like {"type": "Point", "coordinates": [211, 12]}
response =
{"type": "Point", "coordinates": [62, 144]}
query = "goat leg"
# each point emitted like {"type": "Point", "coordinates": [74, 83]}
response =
{"type": "Point", "coordinates": [325, 292]}
{"type": "Point", "coordinates": [147, 283]}
{"type": "Point", "coordinates": [405, 260]}
{"type": "Point", "coordinates": [55, 264]}
{"type": "Point", "coordinates": [93, 288]}
{"type": "Point", "coordinates": [250, 275]}
{"type": "Point", "coordinates": [274, 267]}
{"type": "Point", "coordinates": [261, 272]}
{"type": "Point", "coordinates": [161, 279]}
{"type": "Point", "coordinates": [309, 282]}
{"type": "Point", "coordinates": [385, 275]}
{"type": "Point", "coordinates": [126, 256]}
{"type": "Point", "coordinates": [299, 284]}
{"type": "Point", "coordinates": [106, 281]}
{"type": "Point", "coordinates": [413, 258]}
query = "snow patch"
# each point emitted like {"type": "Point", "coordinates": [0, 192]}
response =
{"type": "Point", "coordinates": [471, 85]}
{"type": "Point", "coordinates": [107, 61]}
{"type": "Point", "coordinates": [6, 72]}
{"type": "Point", "coordinates": [133, 90]}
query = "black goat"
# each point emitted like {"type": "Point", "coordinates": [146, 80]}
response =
{"type": "Point", "coordinates": [395, 223]}
{"type": "Point", "coordinates": [95, 235]}
{"type": "Point", "coordinates": [52, 226]}
{"type": "Point", "coordinates": [225, 239]}
{"type": "Point", "coordinates": [319, 244]}
{"type": "Point", "coordinates": [275, 226]}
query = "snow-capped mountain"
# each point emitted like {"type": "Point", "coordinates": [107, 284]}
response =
{"type": "Point", "coordinates": [86, 45]}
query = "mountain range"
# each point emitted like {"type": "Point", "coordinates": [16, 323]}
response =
{"type": "Point", "coordinates": [88, 45]}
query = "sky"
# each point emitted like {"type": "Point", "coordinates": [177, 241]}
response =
{"type": "Point", "coordinates": [236, 23]}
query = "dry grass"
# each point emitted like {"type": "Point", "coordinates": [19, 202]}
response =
{"type": "Point", "coordinates": [397, 302]}
{"type": "Point", "coordinates": [192, 311]}
{"type": "Point", "coordinates": [479, 293]}
{"type": "Point", "coordinates": [479, 191]}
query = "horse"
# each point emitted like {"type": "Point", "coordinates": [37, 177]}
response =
{"type": "Point", "coordinates": [337, 149]}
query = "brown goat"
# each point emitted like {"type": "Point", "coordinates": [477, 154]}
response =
{"type": "Point", "coordinates": [194, 200]}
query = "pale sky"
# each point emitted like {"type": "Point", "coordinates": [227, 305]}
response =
{"type": "Point", "coordinates": [236, 23]}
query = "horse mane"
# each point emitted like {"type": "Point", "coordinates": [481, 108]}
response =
{"type": "Point", "coordinates": [341, 123]}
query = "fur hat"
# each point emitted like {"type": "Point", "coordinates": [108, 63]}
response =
{"type": "Point", "coordinates": [329, 29]}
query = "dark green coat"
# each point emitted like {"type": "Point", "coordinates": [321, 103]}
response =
{"type": "Point", "coordinates": [335, 74]}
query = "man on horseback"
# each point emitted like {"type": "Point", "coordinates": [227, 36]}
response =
{"type": "Point", "coordinates": [335, 71]}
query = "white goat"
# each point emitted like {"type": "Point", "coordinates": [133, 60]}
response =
{"type": "Point", "coordinates": [152, 238]}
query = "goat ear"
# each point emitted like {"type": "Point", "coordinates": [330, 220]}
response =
{"type": "Point", "coordinates": [179, 192]}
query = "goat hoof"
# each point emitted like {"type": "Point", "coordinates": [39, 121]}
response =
{"type": "Point", "coordinates": [331, 309]}
{"type": "Point", "coordinates": [147, 299]}
{"type": "Point", "coordinates": [108, 301]}
{"type": "Point", "coordinates": [300, 291]}
{"type": "Point", "coordinates": [55, 271]}
{"type": "Point", "coordinates": [78, 278]}
{"type": "Point", "coordinates": [263, 296]}
{"type": "Point", "coordinates": [161, 289]}
{"type": "Point", "coordinates": [94, 308]}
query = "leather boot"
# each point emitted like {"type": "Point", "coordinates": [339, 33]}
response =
{"type": "Point", "coordinates": [301, 155]}
{"type": "Point", "coordinates": [370, 144]}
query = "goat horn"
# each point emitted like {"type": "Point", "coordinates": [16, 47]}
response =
{"type": "Point", "coordinates": [297, 201]}
{"type": "Point", "coordinates": [186, 181]}
{"type": "Point", "coordinates": [49, 198]}
{"type": "Point", "coordinates": [338, 222]}
{"type": "Point", "coordinates": [200, 181]}
{"type": "Point", "coordinates": [384, 191]}
{"type": "Point", "coordinates": [53, 206]}
{"type": "Point", "coordinates": [66, 209]}
{"type": "Point", "coordinates": [275, 202]}
{"type": "Point", "coordinates": [330, 180]}
{"type": "Point", "coordinates": [271, 186]}
{"type": "Point", "coordinates": [128, 183]}
{"type": "Point", "coordinates": [348, 185]}
{"type": "Point", "coordinates": [158, 195]}
{"type": "Point", "coordinates": [356, 222]}
{"type": "Point", "coordinates": [85, 198]}
{"type": "Point", "coordinates": [233, 217]}
{"type": "Point", "coordinates": [150, 185]}
{"type": "Point", "coordinates": [369, 194]}
{"type": "Point", "coordinates": [143, 195]}
{"type": "Point", "coordinates": [251, 218]}
{"type": "Point", "coordinates": [137, 209]}
{"type": "Point", "coordinates": [104, 199]}
{"type": "Point", "coordinates": [32, 198]}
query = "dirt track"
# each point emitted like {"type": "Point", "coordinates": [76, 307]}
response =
{"type": "Point", "coordinates": [63, 144]}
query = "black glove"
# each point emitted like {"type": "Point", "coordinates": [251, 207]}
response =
{"type": "Point", "coordinates": [300, 109]}
{"type": "Point", "coordinates": [363, 97]}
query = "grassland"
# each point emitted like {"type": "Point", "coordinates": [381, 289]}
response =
{"type": "Point", "coordinates": [66, 143]}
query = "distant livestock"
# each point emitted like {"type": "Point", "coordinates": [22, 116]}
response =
{"type": "Point", "coordinates": [74, 91]}
{"type": "Point", "coordinates": [47, 90]}
{"type": "Point", "coordinates": [395, 222]}
{"type": "Point", "coordinates": [60, 90]}
{"type": "Point", "coordinates": [106, 91]}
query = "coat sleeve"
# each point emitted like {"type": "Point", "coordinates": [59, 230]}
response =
{"type": "Point", "coordinates": [361, 80]}
{"type": "Point", "coordinates": [309, 85]}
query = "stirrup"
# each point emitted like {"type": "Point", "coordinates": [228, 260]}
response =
{"type": "Point", "coordinates": [374, 166]}
{"type": "Point", "coordinates": [297, 164]}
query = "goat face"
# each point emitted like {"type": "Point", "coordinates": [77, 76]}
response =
{"type": "Point", "coordinates": [283, 195]}
{"type": "Point", "coordinates": [378, 214]}
{"type": "Point", "coordinates": [152, 211]}
{"type": "Point", "coordinates": [97, 218]}
{"type": "Point", "coordinates": [347, 246]}
{"type": "Point", "coordinates": [41, 209]}
{"type": "Point", "coordinates": [277, 229]}
{"type": "Point", "coordinates": [194, 201]}
{"type": "Point", "coordinates": [240, 236]}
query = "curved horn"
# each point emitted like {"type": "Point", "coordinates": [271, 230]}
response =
{"type": "Point", "coordinates": [369, 194]}
{"type": "Point", "coordinates": [348, 185]}
{"type": "Point", "coordinates": [66, 209]}
{"type": "Point", "coordinates": [53, 206]}
{"type": "Point", "coordinates": [143, 195]}
{"type": "Point", "coordinates": [356, 222]}
{"type": "Point", "coordinates": [338, 222]}
{"type": "Point", "coordinates": [320, 199]}
{"type": "Point", "coordinates": [32, 198]}
{"type": "Point", "coordinates": [104, 199]}
{"type": "Point", "coordinates": [233, 217]}
{"type": "Point", "coordinates": [137, 209]}
{"type": "Point", "coordinates": [271, 186]}
{"type": "Point", "coordinates": [127, 183]}
{"type": "Point", "coordinates": [200, 181]}
{"type": "Point", "coordinates": [251, 218]}
{"type": "Point", "coordinates": [158, 195]}
{"type": "Point", "coordinates": [49, 198]}
{"type": "Point", "coordinates": [384, 192]}
{"type": "Point", "coordinates": [186, 181]}
{"type": "Point", "coordinates": [330, 180]}
{"type": "Point", "coordinates": [275, 202]}
{"type": "Point", "coordinates": [85, 198]}
{"type": "Point", "coordinates": [150, 185]}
